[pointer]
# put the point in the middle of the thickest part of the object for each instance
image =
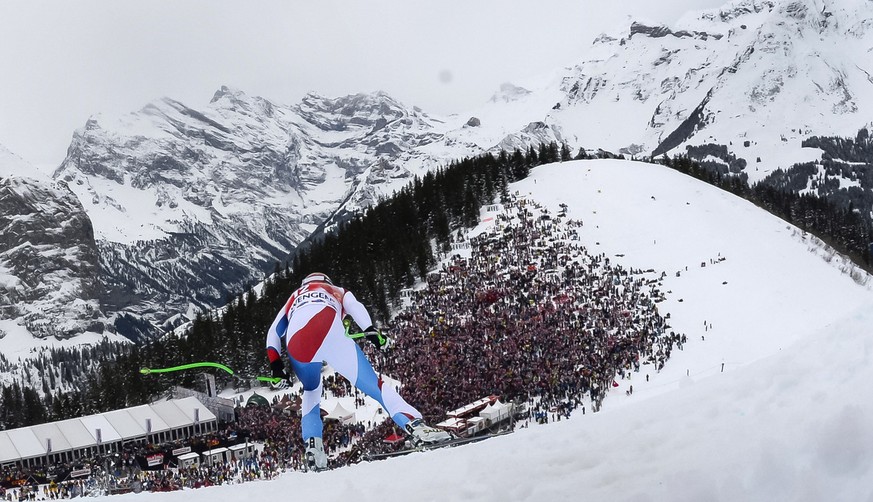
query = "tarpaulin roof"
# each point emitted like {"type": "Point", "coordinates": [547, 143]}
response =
{"type": "Point", "coordinates": [76, 433]}
{"type": "Point", "coordinates": [51, 432]}
{"type": "Point", "coordinates": [149, 418]}
{"type": "Point", "coordinates": [8, 453]}
{"type": "Point", "coordinates": [26, 443]}
{"type": "Point", "coordinates": [100, 429]}
{"type": "Point", "coordinates": [126, 425]}
{"type": "Point", "coordinates": [196, 411]}
{"type": "Point", "coordinates": [171, 414]}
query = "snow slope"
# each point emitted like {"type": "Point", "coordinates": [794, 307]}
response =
{"type": "Point", "coordinates": [11, 164]}
{"type": "Point", "coordinates": [786, 420]}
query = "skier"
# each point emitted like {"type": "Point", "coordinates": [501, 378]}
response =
{"type": "Point", "coordinates": [311, 325]}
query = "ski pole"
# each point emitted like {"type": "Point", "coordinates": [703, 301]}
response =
{"type": "Point", "coordinates": [204, 364]}
{"type": "Point", "coordinates": [354, 336]}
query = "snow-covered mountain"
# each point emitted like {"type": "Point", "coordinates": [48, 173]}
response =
{"type": "Point", "coordinates": [190, 204]}
{"type": "Point", "coordinates": [758, 76]}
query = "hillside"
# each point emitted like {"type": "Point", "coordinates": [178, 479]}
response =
{"type": "Point", "coordinates": [783, 421]}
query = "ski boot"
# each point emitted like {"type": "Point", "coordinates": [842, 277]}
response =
{"type": "Point", "coordinates": [316, 459]}
{"type": "Point", "coordinates": [422, 434]}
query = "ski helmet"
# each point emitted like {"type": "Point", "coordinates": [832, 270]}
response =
{"type": "Point", "coordinates": [316, 277]}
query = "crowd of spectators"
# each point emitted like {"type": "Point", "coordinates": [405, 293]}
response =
{"type": "Point", "coordinates": [530, 315]}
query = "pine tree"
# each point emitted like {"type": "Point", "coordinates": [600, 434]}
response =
{"type": "Point", "coordinates": [565, 153]}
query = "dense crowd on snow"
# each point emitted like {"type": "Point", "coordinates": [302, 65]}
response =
{"type": "Point", "coordinates": [531, 316]}
{"type": "Point", "coordinates": [523, 311]}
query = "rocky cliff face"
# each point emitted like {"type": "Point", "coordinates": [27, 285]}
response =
{"type": "Point", "coordinates": [49, 271]}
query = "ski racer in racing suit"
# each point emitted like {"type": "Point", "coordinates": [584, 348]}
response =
{"type": "Point", "coordinates": [311, 325]}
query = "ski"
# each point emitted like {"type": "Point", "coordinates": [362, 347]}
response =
{"type": "Point", "coordinates": [433, 446]}
{"type": "Point", "coordinates": [310, 464]}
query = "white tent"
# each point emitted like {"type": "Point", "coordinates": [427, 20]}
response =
{"type": "Point", "coordinates": [496, 412]}
{"type": "Point", "coordinates": [171, 414]}
{"type": "Point", "coordinates": [52, 438]}
{"type": "Point", "coordinates": [341, 414]}
{"type": "Point", "coordinates": [26, 443]}
{"type": "Point", "coordinates": [76, 433]}
{"type": "Point", "coordinates": [100, 429]}
{"type": "Point", "coordinates": [8, 453]}
{"type": "Point", "coordinates": [490, 412]}
{"type": "Point", "coordinates": [151, 422]}
{"type": "Point", "coordinates": [195, 410]}
{"type": "Point", "coordinates": [157, 422]}
{"type": "Point", "coordinates": [126, 425]}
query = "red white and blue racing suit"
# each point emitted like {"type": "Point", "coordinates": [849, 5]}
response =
{"type": "Point", "coordinates": [311, 322]}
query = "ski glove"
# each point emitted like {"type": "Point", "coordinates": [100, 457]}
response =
{"type": "Point", "coordinates": [377, 338]}
{"type": "Point", "coordinates": [278, 371]}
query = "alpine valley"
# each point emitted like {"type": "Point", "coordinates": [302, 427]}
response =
{"type": "Point", "coordinates": [169, 210]}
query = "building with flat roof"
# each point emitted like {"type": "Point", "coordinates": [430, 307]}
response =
{"type": "Point", "coordinates": [102, 433]}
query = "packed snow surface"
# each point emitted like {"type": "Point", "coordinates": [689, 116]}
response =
{"type": "Point", "coordinates": [786, 419]}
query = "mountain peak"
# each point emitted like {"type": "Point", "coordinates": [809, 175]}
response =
{"type": "Point", "coordinates": [231, 98]}
{"type": "Point", "coordinates": [49, 259]}
{"type": "Point", "coordinates": [509, 92]}
{"type": "Point", "coordinates": [353, 110]}
{"type": "Point", "coordinates": [227, 92]}
{"type": "Point", "coordinates": [659, 30]}
{"type": "Point", "coordinates": [737, 9]}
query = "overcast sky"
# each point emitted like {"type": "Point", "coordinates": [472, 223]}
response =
{"type": "Point", "coordinates": [62, 61]}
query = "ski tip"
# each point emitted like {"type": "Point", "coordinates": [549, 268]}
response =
{"type": "Point", "coordinates": [145, 371]}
